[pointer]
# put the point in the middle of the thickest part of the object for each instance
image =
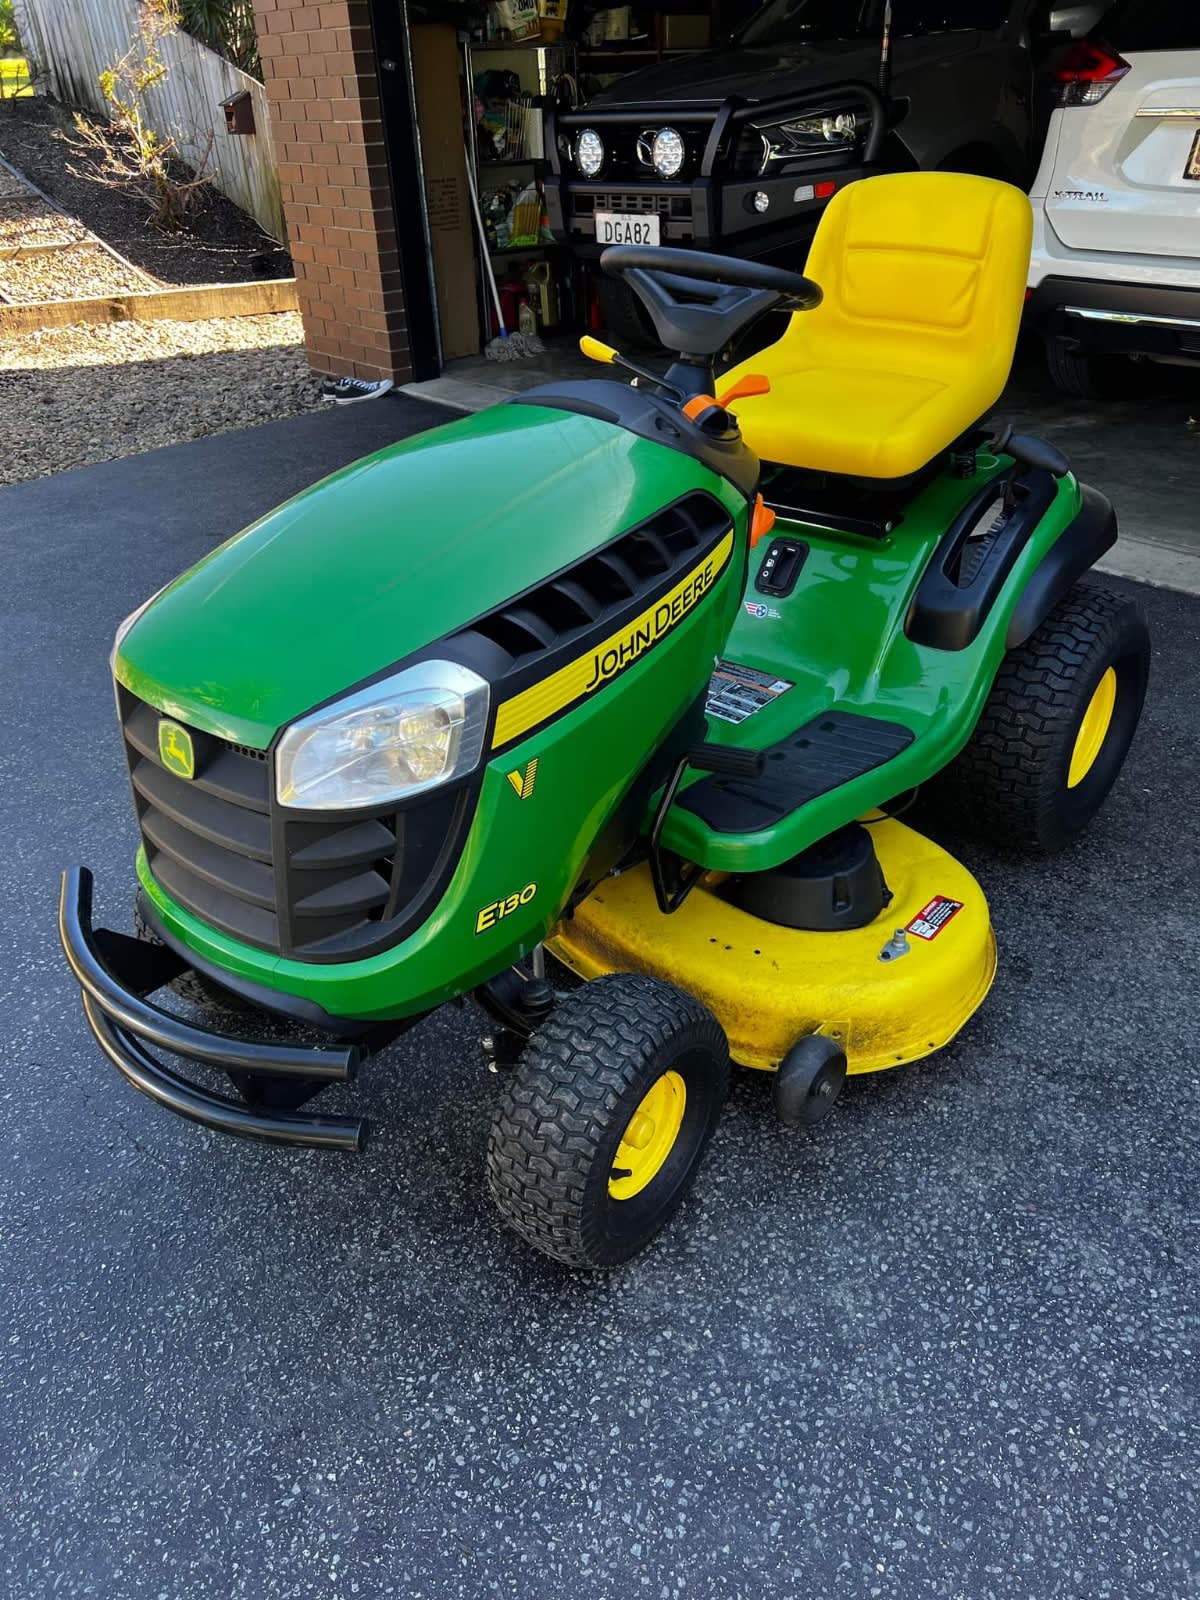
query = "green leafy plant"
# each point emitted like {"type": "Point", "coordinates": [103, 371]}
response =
{"type": "Point", "coordinates": [226, 26]}
{"type": "Point", "coordinates": [126, 152]}
{"type": "Point", "coordinates": [8, 27]}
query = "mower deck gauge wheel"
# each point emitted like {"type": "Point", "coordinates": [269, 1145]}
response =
{"type": "Point", "coordinates": [809, 1080]}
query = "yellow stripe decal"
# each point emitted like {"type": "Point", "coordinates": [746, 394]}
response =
{"type": "Point", "coordinates": [604, 662]}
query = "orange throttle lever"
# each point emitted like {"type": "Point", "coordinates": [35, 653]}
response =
{"type": "Point", "coordinates": [753, 383]}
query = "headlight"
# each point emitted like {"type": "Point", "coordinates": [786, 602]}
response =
{"type": "Point", "coordinates": [667, 153]}
{"type": "Point", "coordinates": [799, 137]}
{"type": "Point", "coordinates": [589, 152]}
{"type": "Point", "coordinates": [388, 741]}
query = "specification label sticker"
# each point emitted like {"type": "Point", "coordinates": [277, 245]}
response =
{"type": "Point", "coordinates": [736, 692]}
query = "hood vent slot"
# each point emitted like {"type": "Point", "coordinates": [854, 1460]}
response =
{"type": "Point", "coordinates": [606, 583]}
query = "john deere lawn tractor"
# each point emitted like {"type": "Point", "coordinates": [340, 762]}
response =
{"type": "Point", "coordinates": [641, 673]}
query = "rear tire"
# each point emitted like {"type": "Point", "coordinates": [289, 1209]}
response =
{"type": "Point", "coordinates": [1055, 729]}
{"type": "Point", "coordinates": [1073, 373]}
{"type": "Point", "coordinates": [619, 1090]}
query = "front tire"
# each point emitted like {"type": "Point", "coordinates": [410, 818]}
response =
{"type": "Point", "coordinates": [1056, 727]}
{"type": "Point", "coordinates": [602, 1125]}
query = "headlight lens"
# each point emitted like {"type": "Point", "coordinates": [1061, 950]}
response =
{"type": "Point", "coordinates": [388, 741]}
{"type": "Point", "coordinates": [589, 152]}
{"type": "Point", "coordinates": [667, 153]}
{"type": "Point", "coordinates": [807, 136]}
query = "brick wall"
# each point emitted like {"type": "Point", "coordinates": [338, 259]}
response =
{"type": "Point", "coordinates": [319, 66]}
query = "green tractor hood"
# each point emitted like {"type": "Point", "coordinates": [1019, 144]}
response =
{"type": "Point", "coordinates": [388, 556]}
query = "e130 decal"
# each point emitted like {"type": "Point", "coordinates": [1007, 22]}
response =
{"type": "Point", "coordinates": [488, 916]}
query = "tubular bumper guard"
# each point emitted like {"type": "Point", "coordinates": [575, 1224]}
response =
{"type": "Point", "coordinates": [115, 971]}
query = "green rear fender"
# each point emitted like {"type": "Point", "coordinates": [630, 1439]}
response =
{"type": "Point", "coordinates": [840, 640]}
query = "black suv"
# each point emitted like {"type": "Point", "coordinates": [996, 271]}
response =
{"type": "Point", "coordinates": [738, 150]}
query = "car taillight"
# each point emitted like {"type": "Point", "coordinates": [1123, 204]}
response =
{"type": "Point", "coordinates": [1087, 72]}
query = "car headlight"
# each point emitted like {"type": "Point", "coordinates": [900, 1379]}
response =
{"type": "Point", "coordinates": [391, 740]}
{"type": "Point", "coordinates": [589, 152]}
{"type": "Point", "coordinates": [667, 153]}
{"type": "Point", "coordinates": [800, 137]}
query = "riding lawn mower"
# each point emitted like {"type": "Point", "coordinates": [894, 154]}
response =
{"type": "Point", "coordinates": [639, 673]}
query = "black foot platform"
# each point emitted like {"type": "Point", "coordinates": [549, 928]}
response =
{"type": "Point", "coordinates": [822, 755]}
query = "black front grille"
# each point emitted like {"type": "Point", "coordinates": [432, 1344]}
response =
{"type": "Point", "coordinates": [674, 207]}
{"type": "Point", "coordinates": [311, 886]}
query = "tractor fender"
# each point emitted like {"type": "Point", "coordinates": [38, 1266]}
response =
{"type": "Point", "coordinates": [1091, 533]}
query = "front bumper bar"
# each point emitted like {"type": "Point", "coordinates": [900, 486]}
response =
{"type": "Point", "coordinates": [115, 972]}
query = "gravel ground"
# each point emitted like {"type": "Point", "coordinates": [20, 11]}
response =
{"type": "Point", "coordinates": [11, 188]}
{"type": "Point", "coordinates": [31, 222]}
{"type": "Point", "coordinates": [220, 245]}
{"type": "Point", "coordinates": [70, 397]}
{"type": "Point", "coordinates": [74, 274]}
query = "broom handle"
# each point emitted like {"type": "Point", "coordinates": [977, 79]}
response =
{"type": "Point", "coordinates": [483, 249]}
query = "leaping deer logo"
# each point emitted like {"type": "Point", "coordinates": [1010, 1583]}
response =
{"type": "Point", "coordinates": [175, 748]}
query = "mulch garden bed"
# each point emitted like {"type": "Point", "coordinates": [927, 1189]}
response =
{"type": "Point", "coordinates": [220, 244]}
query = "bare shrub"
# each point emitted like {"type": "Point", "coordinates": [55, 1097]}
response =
{"type": "Point", "coordinates": [126, 152]}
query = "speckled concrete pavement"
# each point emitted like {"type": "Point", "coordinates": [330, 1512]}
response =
{"type": "Point", "coordinates": [947, 1346]}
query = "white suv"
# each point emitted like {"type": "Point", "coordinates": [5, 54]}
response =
{"type": "Point", "coordinates": [1116, 254]}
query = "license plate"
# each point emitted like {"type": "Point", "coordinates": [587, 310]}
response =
{"type": "Point", "coordinates": [1192, 170]}
{"type": "Point", "coordinates": [620, 227]}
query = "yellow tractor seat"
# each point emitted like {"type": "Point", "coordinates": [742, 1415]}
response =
{"type": "Point", "coordinates": [924, 278]}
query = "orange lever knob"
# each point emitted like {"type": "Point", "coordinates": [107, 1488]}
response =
{"type": "Point", "coordinates": [761, 521]}
{"type": "Point", "coordinates": [753, 383]}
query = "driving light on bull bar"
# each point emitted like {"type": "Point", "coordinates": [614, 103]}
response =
{"type": "Point", "coordinates": [391, 740]}
{"type": "Point", "coordinates": [589, 152]}
{"type": "Point", "coordinates": [667, 153]}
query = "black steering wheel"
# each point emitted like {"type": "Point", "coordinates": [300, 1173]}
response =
{"type": "Point", "coordinates": [698, 302]}
{"type": "Point", "coordinates": [729, 270]}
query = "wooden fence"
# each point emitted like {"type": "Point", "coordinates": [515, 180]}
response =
{"type": "Point", "coordinates": [73, 41]}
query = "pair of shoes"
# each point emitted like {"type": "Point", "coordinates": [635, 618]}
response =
{"type": "Point", "coordinates": [347, 391]}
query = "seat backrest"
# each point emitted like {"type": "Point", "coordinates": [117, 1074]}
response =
{"type": "Point", "coordinates": [922, 272]}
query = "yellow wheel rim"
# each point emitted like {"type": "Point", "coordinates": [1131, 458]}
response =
{"type": "Point", "coordinates": [1093, 728]}
{"type": "Point", "coordinates": [649, 1137]}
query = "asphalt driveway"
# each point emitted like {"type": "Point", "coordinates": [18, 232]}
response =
{"type": "Point", "coordinates": [946, 1346]}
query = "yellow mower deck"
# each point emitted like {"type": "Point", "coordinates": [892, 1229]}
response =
{"type": "Point", "coordinates": [770, 986]}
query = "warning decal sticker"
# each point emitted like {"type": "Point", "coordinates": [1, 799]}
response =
{"type": "Point", "coordinates": [932, 918]}
{"type": "Point", "coordinates": [736, 692]}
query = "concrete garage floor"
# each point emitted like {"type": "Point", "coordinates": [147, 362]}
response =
{"type": "Point", "coordinates": [1142, 446]}
{"type": "Point", "coordinates": [945, 1346]}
